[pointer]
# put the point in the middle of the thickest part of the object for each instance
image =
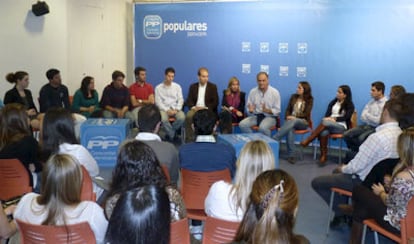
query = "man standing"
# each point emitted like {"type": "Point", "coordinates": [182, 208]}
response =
{"type": "Point", "coordinates": [141, 92]}
{"type": "Point", "coordinates": [53, 94]}
{"type": "Point", "coordinates": [169, 99]}
{"type": "Point", "coordinates": [115, 97]}
{"type": "Point", "coordinates": [370, 116]}
{"type": "Point", "coordinates": [378, 146]}
{"type": "Point", "coordinates": [263, 105]}
{"type": "Point", "coordinates": [201, 95]}
{"type": "Point", "coordinates": [149, 123]}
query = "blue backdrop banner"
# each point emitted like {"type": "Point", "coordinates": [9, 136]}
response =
{"type": "Point", "coordinates": [328, 43]}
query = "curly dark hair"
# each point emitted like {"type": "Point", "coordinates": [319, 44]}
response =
{"type": "Point", "coordinates": [137, 165]}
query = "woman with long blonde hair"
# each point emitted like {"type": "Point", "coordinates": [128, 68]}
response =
{"type": "Point", "coordinates": [229, 201]}
{"type": "Point", "coordinates": [271, 215]}
{"type": "Point", "coordinates": [232, 106]}
{"type": "Point", "coordinates": [59, 202]}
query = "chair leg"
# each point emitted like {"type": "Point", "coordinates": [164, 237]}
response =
{"type": "Point", "coordinates": [376, 237]}
{"type": "Point", "coordinates": [182, 134]}
{"type": "Point", "coordinates": [330, 212]}
{"type": "Point", "coordinates": [301, 149]}
{"type": "Point", "coordinates": [364, 232]}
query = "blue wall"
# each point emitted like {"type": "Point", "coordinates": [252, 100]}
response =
{"type": "Point", "coordinates": [348, 42]}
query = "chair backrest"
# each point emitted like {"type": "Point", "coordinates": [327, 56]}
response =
{"type": "Point", "coordinates": [14, 179]}
{"type": "Point", "coordinates": [34, 234]}
{"type": "Point", "coordinates": [87, 193]}
{"type": "Point", "coordinates": [217, 231]}
{"type": "Point", "coordinates": [195, 185]}
{"type": "Point", "coordinates": [180, 232]}
{"type": "Point", "coordinates": [166, 172]}
{"type": "Point", "coordinates": [407, 224]}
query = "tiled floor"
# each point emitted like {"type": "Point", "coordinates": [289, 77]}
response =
{"type": "Point", "coordinates": [313, 211]}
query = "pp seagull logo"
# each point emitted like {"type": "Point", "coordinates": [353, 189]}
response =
{"type": "Point", "coordinates": [152, 26]}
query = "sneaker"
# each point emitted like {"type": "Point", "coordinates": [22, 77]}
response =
{"type": "Point", "coordinates": [197, 231]}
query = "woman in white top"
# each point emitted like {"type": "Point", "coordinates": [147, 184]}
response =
{"type": "Point", "coordinates": [58, 136]}
{"type": "Point", "coordinates": [60, 204]}
{"type": "Point", "coordinates": [229, 201]}
{"type": "Point", "coordinates": [337, 120]}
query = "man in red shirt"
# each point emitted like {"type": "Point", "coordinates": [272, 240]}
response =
{"type": "Point", "coordinates": [141, 92]}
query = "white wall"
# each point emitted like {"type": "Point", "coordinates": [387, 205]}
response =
{"type": "Point", "coordinates": [79, 37]}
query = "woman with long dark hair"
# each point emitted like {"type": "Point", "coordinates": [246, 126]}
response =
{"type": "Point", "coordinates": [86, 100]}
{"type": "Point", "coordinates": [140, 216]}
{"type": "Point", "coordinates": [337, 120]}
{"type": "Point", "coordinates": [298, 117]}
{"type": "Point", "coordinates": [57, 135]}
{"type": "Point", "coordinates": [16, 140]}
{"type": "Point", "coordinates": [137, 165]}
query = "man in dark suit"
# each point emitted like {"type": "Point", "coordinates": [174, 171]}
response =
{"type": "Point", "coordinates": [202, 95]}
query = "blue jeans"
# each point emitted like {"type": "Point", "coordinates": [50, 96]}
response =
{"type": "Point", "coordinates": [332, 128]}
{"type": "Point", "coordinates": [288, 129]}
{"type": "Point", "coordinates": [171, 128]}
{"type": "Point", "coordinates": [108, 115]}
{"type": "Point", "coordinates": [264, 127]}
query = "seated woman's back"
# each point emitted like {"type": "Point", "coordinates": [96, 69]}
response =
{"type": "Point", "coordinates": [59, 203]}
{"type": "Point", "coordinates": [270, 217]}
{"type": "Point", "coordinates": [140, 217]}
{"type": "Point", "coordinates": [227, 201]}
{"type": "Point", "coordinates": [137, 166]}
{"type": "Point", "coordinates": [16, 140]}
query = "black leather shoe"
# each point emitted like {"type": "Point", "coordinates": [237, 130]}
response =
{"type": "Point", "coordinates": [338, 221]}
{"type": "Point", "coordinates": [291, 160]}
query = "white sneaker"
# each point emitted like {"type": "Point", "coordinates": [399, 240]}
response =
{"type": "Point", "coordinates": [197, 231]}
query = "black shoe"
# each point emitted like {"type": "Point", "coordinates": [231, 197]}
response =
{"type": "Point", "coordinates": [338, 221]}
{"type": "Point", "coordinates": [346, 209]}
{"type": "Point", "coordinates": [291, 159]}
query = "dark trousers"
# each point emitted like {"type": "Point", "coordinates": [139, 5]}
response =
{"type": "Point", "coordinates": [322, 185]}
{"type": "Point", "coordinates": [356, 136]}
{"type": "Point", "coordinates": [367, 205]}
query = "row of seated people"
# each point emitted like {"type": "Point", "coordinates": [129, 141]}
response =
{"type": "Point", "coordinates": [263, 104]}
{"type": "Point", "coordinates": [201, 120]}
{"type": "Point", "coordinates": [121, 102]}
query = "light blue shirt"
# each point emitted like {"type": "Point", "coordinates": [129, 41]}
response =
{"type": "Point", "coordinates": [270, 98]}
{"type": "Point", "coordinates": [169, 97]}
{"type": "Point", "coordinates": [372, 111]}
